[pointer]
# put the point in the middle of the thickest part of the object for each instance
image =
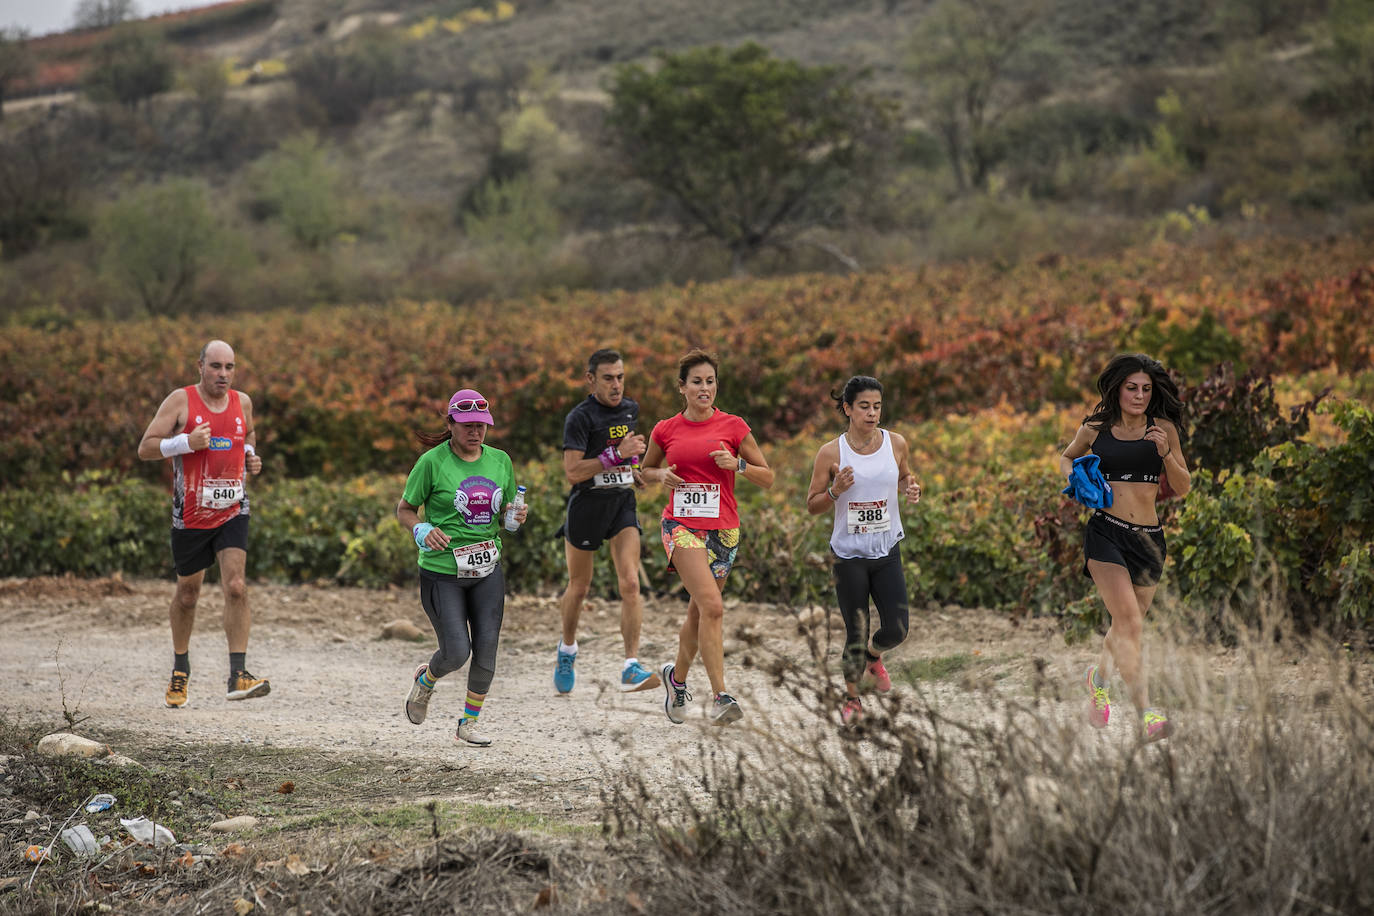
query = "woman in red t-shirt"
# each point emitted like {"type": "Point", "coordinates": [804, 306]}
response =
{"type": "Point", "coordinates": [699, 453]}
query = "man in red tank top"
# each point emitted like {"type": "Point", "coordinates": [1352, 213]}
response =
{"type": "Point", "coordinates": [207, 431]}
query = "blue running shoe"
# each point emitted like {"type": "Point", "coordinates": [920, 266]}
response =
{"type": "Point", "coordinates": [563, 675]}
{"type": "Point", "coordinates": [637, 677]}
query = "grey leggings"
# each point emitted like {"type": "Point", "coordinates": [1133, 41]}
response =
{"type": "Point", "coordinates": [466, 615]}
{"type": "Point", "coordinates": [855, 580]}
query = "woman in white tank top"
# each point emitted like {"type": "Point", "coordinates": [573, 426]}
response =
{"type": "Point", "coordinates": [858, 477]}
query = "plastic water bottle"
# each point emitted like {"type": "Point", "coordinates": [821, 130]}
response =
{"type": "Point", "coordinates": [516, 502]}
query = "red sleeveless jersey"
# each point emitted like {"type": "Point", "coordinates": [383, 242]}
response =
{"type": "Point", "coordinates": [207, 486]}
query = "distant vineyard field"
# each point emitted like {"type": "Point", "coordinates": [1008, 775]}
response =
{"type": "Point", "coordinates": [339, 390]}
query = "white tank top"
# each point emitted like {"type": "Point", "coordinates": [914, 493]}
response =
{"type": "Point", "coordinates": [867, 523]}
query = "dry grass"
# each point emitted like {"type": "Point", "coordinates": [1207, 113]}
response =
{"type": "Point", "coordinates": [977, 796]}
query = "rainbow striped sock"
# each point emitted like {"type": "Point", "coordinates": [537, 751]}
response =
{"type": "Point", "coordinates": [473, 708]}
{"type": "Point", "coordinates": [427, 680]}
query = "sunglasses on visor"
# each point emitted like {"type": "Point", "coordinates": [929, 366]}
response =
{"type": "Point", "coordinates": [467, 404]}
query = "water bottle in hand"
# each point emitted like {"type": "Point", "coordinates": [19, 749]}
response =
{"type": "Point", "coordinates": [516, 502]}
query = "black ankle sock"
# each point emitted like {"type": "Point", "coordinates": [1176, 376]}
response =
{"type": "Point", "coordinates": [182, 662]}
{"type": "Point", "coordinates": [237, 663]}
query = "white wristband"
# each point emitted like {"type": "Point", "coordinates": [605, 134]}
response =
{"type": "Point", "coordinates": [177, 445]}
{"type": "Point", "coordinates": [248, 449]}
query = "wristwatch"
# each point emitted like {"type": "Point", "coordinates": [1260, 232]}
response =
{"type": "Point", "coordinates": [742, 465]}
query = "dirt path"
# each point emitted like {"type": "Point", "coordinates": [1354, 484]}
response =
{"type": "Point", "coordinates": [102, 646]}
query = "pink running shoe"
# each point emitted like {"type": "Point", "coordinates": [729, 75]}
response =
{"type": "Point", "coordinates": [876, 675]}
{"type": "Point", "coordinates": [1101, 709]}
{"type": "Point", "coordinates": [852, 711]}
{"type": "Point", "coordinates": [1155, 726]}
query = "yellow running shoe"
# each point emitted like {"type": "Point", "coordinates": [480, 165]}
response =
{"type": "Point", "coordinates": [176, 690]}
{"type": "Point", "coordinates": [1101, 709]}
{"type": "Point", "coordinates": [243, 686]}
{"type": "Point", "coordinates": [1155, 726]}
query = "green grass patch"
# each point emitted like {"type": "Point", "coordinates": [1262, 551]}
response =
{"type": "Point", "coordinates": [412, 818]}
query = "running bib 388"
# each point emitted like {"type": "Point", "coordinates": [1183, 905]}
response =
{"type": "Point", "coordinates": [476, 560]}
{"type": "Point", "coordinates": [868, 517]}
{"type": "Point", "coordinates": [614, 477]}
{"type": "Point", "coordinates": [696, 500]}
{"type": "Point", "coordinates": [220, 494]}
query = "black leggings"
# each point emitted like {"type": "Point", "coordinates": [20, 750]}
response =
{"type": "Point", "coordinates": [855, 580]}
{"type": "Point", "coordinates": [466, 616]}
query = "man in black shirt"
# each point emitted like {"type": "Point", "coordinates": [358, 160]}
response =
{"type": "Point", "coordinates": [601, 460]}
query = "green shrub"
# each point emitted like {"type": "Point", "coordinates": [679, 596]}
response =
{"type": "Point", "coordinates": [297, 185]}
{"type": "Point", "coordinates": [159, 240]}
{"type": "Point", "coordinates": [91, 524]}
{"type": "Point", "coordinates": [1189, 349]}
{"type": "Point", "coordinates": [1227, 553]}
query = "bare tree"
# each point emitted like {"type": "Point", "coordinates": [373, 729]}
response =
{"type": "Point", "coordinates": [101, 14]}
{"type": "Point", "coordinates": [978, 60]}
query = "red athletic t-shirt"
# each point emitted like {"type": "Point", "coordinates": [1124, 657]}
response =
{"type": "Point", "coordinates": [207, 486]}
{"type": "Point", "coordinates": [688, 445]}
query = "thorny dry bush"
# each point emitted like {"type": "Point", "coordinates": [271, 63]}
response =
{"type": "Point", "coordinates": [1262, 803]}
{"type": "Point", "coordinates": [988, 798]}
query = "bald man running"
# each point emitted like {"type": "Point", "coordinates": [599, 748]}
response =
{"type": "Point", "coordinates": [207, 431]}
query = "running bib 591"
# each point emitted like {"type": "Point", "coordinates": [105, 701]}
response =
{"type": "Point", "coordinates": [614, 477]}
{"type": "Point", "coordinates": [696, 500]}
{"type": "Point", "coordinates": [477, 560]}
{"type": "Point", "coordinates": [220, 494]}
{"type": "Point", "coordinates": [868, 517]}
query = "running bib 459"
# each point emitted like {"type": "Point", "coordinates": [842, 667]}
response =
{"type": "Point", "coordinates": [477, 560]}
{"type": "Point", "coordinates": [220, 494]}
{"type": "Point", "coordinates": [868, 517]}
{"type": "Point", "coordinates": [696, 500]}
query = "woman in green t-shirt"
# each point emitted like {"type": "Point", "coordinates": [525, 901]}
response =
{"type": "Point", "coordinates": [461, 483]}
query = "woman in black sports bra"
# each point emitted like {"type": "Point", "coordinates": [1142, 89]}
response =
{"type": "Point", "coordinates": [1134, 431]}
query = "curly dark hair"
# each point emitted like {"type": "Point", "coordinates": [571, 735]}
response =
{"type": "Point", "coordinates": [1164, 398]}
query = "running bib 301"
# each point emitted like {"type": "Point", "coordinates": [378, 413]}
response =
{"type": "Point", "coordinates": [476, 560]}
{"type": "Point", "coordinates": [614, 477]}
{"type": "Point", "coordinates": [220, 494]}
{"type": "Point", "coordinates": [696, 500]}
{"type": "Point", "coordinates": [868, 517]}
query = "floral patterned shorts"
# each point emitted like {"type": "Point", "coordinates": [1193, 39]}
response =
{"type": "Point", "coordinates": [721, 545]}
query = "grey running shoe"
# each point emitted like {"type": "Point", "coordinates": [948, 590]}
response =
{"type": "Point", "coordinates": [417, 704]}
{"type": "Point", "coordinates": [675, 698]}
{"type": "Point", "coordinates": [468, 733]}
{"type": "Point", "coordinates": [724, 710]}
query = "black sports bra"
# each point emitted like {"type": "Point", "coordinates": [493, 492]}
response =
{"type": "Point", "coordinates": [1133, 461]}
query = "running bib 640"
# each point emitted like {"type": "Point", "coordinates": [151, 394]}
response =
{"type": "Point", "coordinates": [220, 494]}
{"type": "Point", "coordinates": [477, 560]}
{"type": "Point", "coordinates": [696, 500]}
{"type": "Point", "coordinates": [614, 477]}
{"type": "Point", "coordinates": [868, 517]}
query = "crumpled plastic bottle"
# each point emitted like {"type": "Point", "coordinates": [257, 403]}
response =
{"type": "Point", "coordinates": [148, 833]}
{"type": "Point", "coordinates": [80, 840]}
{"type": "Point", "coordinates": [99, 802]}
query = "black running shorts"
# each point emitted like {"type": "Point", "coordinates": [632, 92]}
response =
{"type": "Point", "coordinates": [594, 517]}
{"type": "Point", "coordinates": [194, 549]}
{"type": "Point", "coordinates": [1139, 548]}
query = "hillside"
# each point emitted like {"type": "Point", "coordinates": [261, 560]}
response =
{"type": "Point", "coordinates": [345, 152]}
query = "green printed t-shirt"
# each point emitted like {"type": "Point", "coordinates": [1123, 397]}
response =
{"type": "Point", "coordinates": [462, 498]}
